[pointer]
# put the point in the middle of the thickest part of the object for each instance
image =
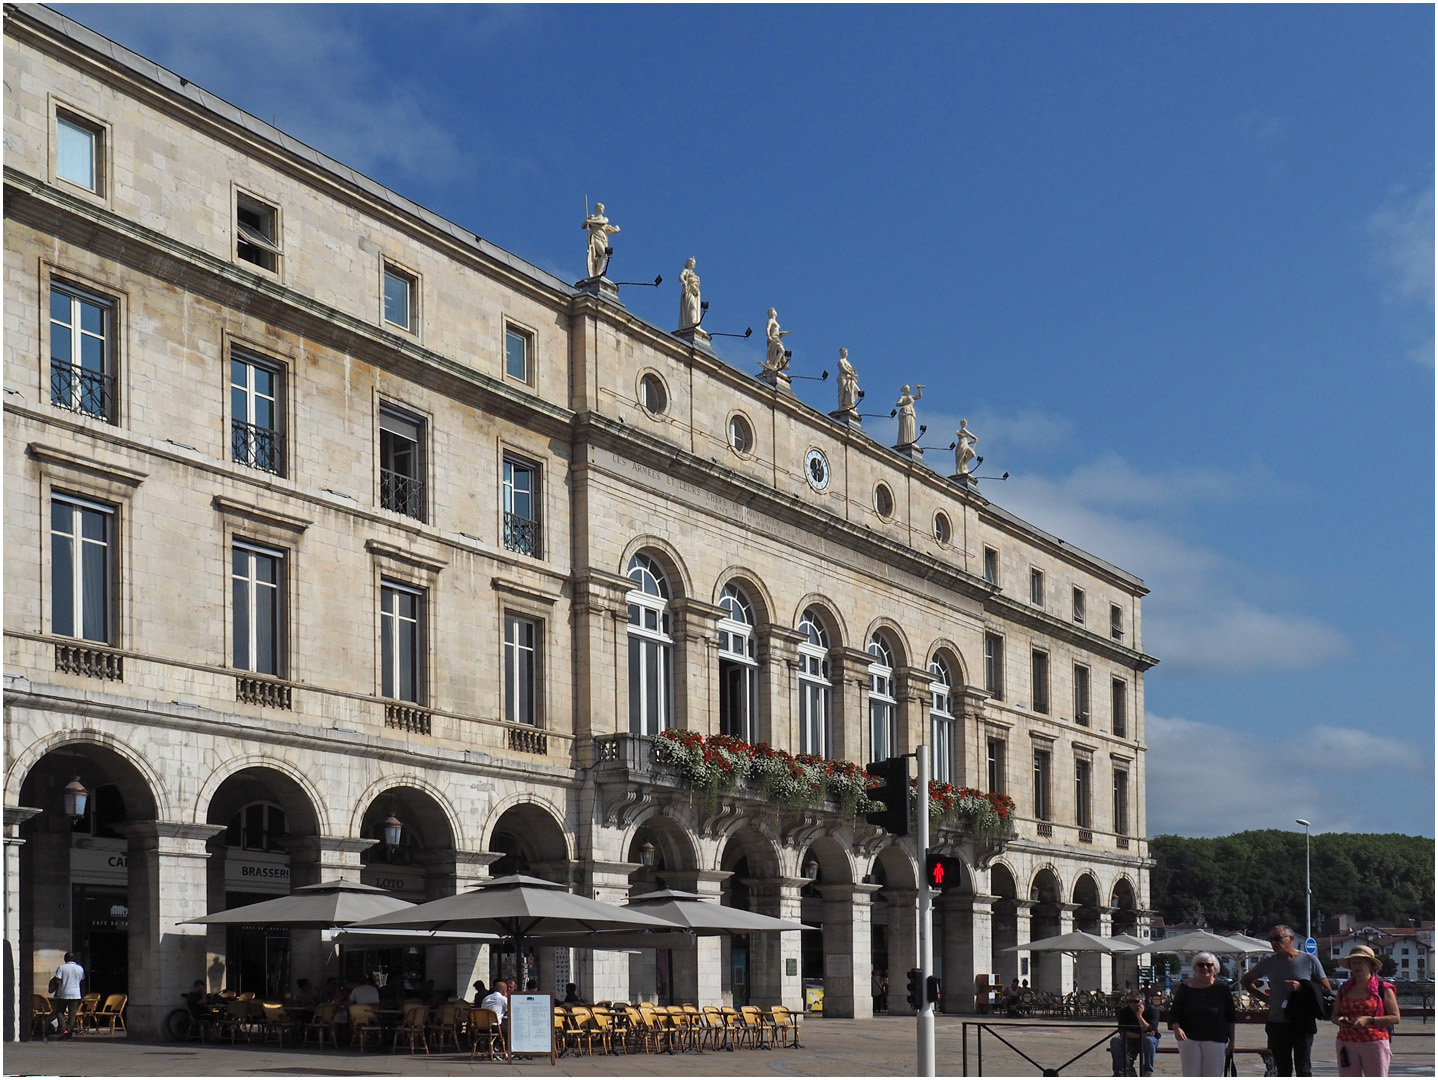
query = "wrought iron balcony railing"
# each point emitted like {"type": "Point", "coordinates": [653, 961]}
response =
{"type": "Point", "coordinates": [82, 390]}
{"type": "Point", "coordinates": [258, 447]}
{"type": "Point", "coordinates": [521, 534]}
{"type": "Point", "coordinates": [402, 494]}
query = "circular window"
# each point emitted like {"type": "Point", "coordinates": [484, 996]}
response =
{"type": "Point", "coordinates": [741, 435]}
{"type": "Point", "coordinates": [652, 394]}
{"type": "Point", "coordinates": [942, 530]}
{"type": "Point", "coordinates": [884, 501]}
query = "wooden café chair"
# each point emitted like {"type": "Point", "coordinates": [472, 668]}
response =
{"type": "Point", "coordinates": [484, 1030]}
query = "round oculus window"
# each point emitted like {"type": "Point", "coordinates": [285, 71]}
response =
{"type": "Point", "coordinates": [652, 395]}
{"type": "Point", "coordinates": [884, 501]}
{"type": "Point", "coordinates": [942, 530]}
{"type": "Point", "coordinates": [741, 435]}
{"type": "Point", "coordinates": [816, 469]}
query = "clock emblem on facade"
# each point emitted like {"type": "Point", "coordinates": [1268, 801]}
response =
{"type": "Point", "coordinates": [816, 469]}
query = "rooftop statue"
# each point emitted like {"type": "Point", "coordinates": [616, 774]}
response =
{"type": "Point", "coordinates": [689, 310]}
{"type": "Point", "coordinates": [774, 359]}
{"type": "Point", "coordinates": [908, 423]}
{"type": "Point", "coordinates": [848, 385]}
{"type": "Point", "coordinates": [964, 448]}
{"type": "Point", "coordinates": [599, 232]}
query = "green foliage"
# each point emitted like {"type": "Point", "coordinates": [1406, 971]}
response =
{"type": "Point", "coordinates": [1251, 880]}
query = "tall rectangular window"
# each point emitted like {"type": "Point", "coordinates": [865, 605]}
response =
{"type": "Point", "coordinates": [82, 378]}
{"type": "Point", "coordinates": [256, 438]}
{"type": "Point", "coordinates": [518, 354]}
{"type": "Point", "coordinates": [1115, 622]}
{"type": "Point", "coordinates": [991, 566]}
{"type": "Point", "coordinates": [520, 654]}
{"type": "Point", "coordinates": [1040, 679]}
{"type": "Point", "coordinates": [257, 587]}
{"type": "Point", "coordinates": [521, 507]}
{"type": "Point", "coordinates": [1119, 690]}
{"type": "Point", "coordinates": [1083, 793]}
{"type": "Point", "coordinates": [1078, 605]}
{"type": "Point", "coordinates": [81, 558]}
{"type": "Point", "coordinates": [401, 655]}
{"type": "Point", "coordinates": [401, 476]}
{"type": "Point", "coordinates": [1120, 801]}
{"type": "Point", "coordinates": [1036, 587]}
{"type": "Point", "coordinates": [78, 152]}
{"type": "Point", "coordinates": [994, 666]}
{"type": "Point", "coordinates": [398, 298]}
{"type": "Point", "coordinates": [998, 780]}
{"type": "Point", "coordinates": [1043, 805]}
{"type": "Point", "coordinates": [257, 232]}
{"type": "Point", "coordinates": [1081, 696]}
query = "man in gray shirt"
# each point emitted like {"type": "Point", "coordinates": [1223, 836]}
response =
{"type": "Point", "coordinates": [1292, 1012]}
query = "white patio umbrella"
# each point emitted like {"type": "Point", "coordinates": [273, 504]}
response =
{"type": "Point", "coordinates": [1074, 943]}
{"type": "Point", "coordinates": [1138, 945]}
{"type": "Point", "coordinates": [330, 903]}
{"type": "Point", "coordinates": [1197, 941]}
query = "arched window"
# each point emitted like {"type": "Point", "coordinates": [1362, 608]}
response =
{"type": "Point", "coordinates": [883, 709]}
{"type": "Point", "coordinates": [815, 690]}
{"type": "Point", "coordinates": [738, 684]}
{"type": "Point", "coordinates": [651, 649]}
{"type": "Point", "coordinates": [941, 720]}
{"type": "Point", "coordinates": [260, 826]}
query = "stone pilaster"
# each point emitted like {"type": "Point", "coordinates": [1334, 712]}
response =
{"type": "Point", "coordinates": [313, 859]}
{"type": "Point", "coordinates": [848, 955]}
{"type": "Point", "coordinates": [903, 942]}
{"type": "Point", "coordinates": [971, 762]}
{"type": "Point", "coordinates": [1023, 934]}
{"type": "Point", "coordinates": [967, 948]}
{"type": "Point", "coordinates": [459, 965]}
{"type": "Point", "coordinates": [600, 647]}
{"type": "Point", "coordinates": [778, 677]}
{"type": "Point", "coordinates": [167, 886]}
{"type": "Point", "coordinates": [849, 673]}
{"type": "Point", "coordinates": [19, 979]}
{"type": "Point", "coordinates": [774, 958]}
{"type": "Point", "coordinates": [1059, 968]}
{"type": "Point", "coordinates": [603, 975]}
{"type": "Point", "coordinates": [911, 688]}
{"type": "Point", "coordinates": [698, 969]}
{"type": "Point", "coordinates": [696, 665]}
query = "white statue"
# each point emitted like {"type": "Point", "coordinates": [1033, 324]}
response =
{"type": "Point", "coordinates": [908, 425]}
{"type": "Point", "coordinates": [848, 384]}
{"type": "Point", "coordinates": [689, 310]}
{"type": "Point", "coordinates": [964, 448]}
{"type": "Point", "coordinates": [774, 359]}
{"type": "Point", "coordinates": [599, 232]}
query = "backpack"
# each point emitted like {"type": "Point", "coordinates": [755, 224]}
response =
{"type": "Point", "coordinates": [54, 984]}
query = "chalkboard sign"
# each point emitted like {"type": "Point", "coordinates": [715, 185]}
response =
{"type": "Point", "coordinates": [531, 1024]}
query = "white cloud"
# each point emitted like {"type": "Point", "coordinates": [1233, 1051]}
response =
{"type": "Point", "coordinates": [1402, 230]}
{"type": "Point", "coordinates": [1206, 780]}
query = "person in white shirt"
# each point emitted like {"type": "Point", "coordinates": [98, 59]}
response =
{"type": "Point", "coordinates": [67, 994]}
{"type": "Point", "coordinates": [366, 993]}
{"type": "Point", "coordinates": [498, 998]}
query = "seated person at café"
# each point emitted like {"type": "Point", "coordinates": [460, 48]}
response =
{"type": "Point", "coordinates": [480, 993]}
{"type": "Point", "coordinates": [366, 993]}
{"type": "Point", "coordinates": [571, 995]}
{"type": "Point", "coordinates": [498, 999]}
{"type": "Point", "coordinates": [305, 995]}
{"type": "Point", "coordinates": [1138, 1034]}
{"type": "Point", "coordinates": [197, 1000]}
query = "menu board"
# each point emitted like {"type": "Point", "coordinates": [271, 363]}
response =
{"type": "Point", "coordinates": [531, 1023]}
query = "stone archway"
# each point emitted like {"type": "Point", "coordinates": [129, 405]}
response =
{"type": "Point", "coordinates": [1009, 914]}
{"type": "Point", "coordinates": [663, 858]}
{"type": "Point", "coordinates": [1047, 970]}
{"type": "Point", "coordinates": [895, 932]}
{"type": "Point", "coordinates": [104, 885]}
{"type": "Point", "coordinates": [756, 968]}
{"type": "Point", "coordinates": [531, 841]}
{"type": "Point", "coordinates": [1124, 904]}
{"type": "Point", "coordinates": [1090, 969]}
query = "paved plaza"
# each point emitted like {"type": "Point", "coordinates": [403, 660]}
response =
{"type": "Point", "coordinates": [883, 1046]}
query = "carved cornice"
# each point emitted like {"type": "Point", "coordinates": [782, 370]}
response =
{"type": "Point", "coordinates": [275, 519]}
{"type": "Point", "coordinates": [53, 457]}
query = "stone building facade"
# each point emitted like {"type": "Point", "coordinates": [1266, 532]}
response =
{"type": "Point", "coordinates": [322, 513]}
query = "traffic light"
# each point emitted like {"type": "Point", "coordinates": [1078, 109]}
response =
{"type": "Point", "coordinates": [933, 989]}
{"type": "Point", "coordinates": [916, 992]}
{"type": "Point", "coordinates": [893, 792]}
{"type": "Point", "coordinates": [943, 872]}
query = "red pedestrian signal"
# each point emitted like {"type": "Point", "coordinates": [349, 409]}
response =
{"type": "Point", "coordinates": [943, 872]}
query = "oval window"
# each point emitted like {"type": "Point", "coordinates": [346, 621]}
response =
{"type": "Point", "coordinates": [741, 435]}
{"type": "Point", "coordinates": [652, 394]}
{"type": "Point", "coordinates": [884, 501]}
{"type": "Point", "coordinates": [942, 530]}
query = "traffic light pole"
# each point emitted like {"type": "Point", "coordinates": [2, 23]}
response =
{"type": "Point", "coordinates": [926, 924]}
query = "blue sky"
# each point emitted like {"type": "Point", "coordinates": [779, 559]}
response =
{"type": "Point", "coordinates": [1174, 264]}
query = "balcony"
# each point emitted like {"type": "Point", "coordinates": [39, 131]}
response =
{"type": "Point", "coordinates": [402, 494]}
{"type": "Point", "coordinates": [1044, 828]}
{"type": "Point", "coordinates": [406, 717]}
{"type": "Point", "coordinates": [258, 447]}
{"type": "Point", "coordinates": [82, 390]}
{"type": "Point", "coordinates": [528, 740]}
{"type": "Point", "coordinates": [521, 534]}
{"type": "Point", "coordinates": [89, 661]}
{"type": "Point", "coordinates": [269, 693]}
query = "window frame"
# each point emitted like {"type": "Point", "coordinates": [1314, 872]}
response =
{"type": "Point", "coordinates": [648, 380]}
{"type": "Point", "coordinates": [1079, 607]}
{"type": "Point", "coordinates": [520, 533]}
{"type": "Point", "coordinates": [271, 259]}
{"type": "Point", "coordinates": [526, 337]}
{"type": "Point", "coordinates": [942, 723]}
{"type": "Point", "coordinates": [393, 690]}
{"type": "Point", "coordinates": [79, 590]}
{"type": "Point", "coordinates": [79, 296]}
{"type": "Point", "coordinates": [394, 497]}
{"type": "Point", "coordinates": [1041, 702]}
{"type": "Point", "coordinates": [278, 433]}
{"type": "Point", "coordinates": [738, 668]}
{"type": "Point", "coordinates": [389, 270]}
{"type": "Point", "coordinates": [736, 422]}
{"type": "Point", "coordinates": [881, 698]}
{"type": "Point", "coordinates": [1036, 587]}
{"type": "Point", "coordinates": [1120, 801]}
{"type": "Point", "coordinates": [1043, 783]}
{"type": "Point", "coordinates": [816, 690]}
{"type": "Point", "coordinates": [1115, 622]}
{"type": "Point", "coordinates": [883, 501]}
{"type": "Point", "coordinates": [649, 646]}
{"type": "Point", "coordinates": [1083, 696]}
{"type": "Point", "coordinates": [100, 133]}
{"type": "Point", "coordinates": [517, 672]}
{"type": "Point", "coordinates": [994, 665]}
{"type": "Point", "coordinates": [1118, 707]}
{"type": "Point", "coordinates": [991, 566]}
{"type": "Point", "coordinates": [281, 609]}
{"type": "Point", "coordinates": [996, 764]}
{"type": "Point", "coordinates": [1083, 792]}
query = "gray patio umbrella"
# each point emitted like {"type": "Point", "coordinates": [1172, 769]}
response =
{"type": "Point", "coordinates": [520, 907]}
{"type": "Point", "coordinates": [330, 903]}
{"type": "Point", "coordinates": [1074, 942]}
{"type": "Point", "coordinates": [698, 916]}
{"type": "Point", "coordinates": [1197, 941]}
{"type": "Point", "coordinates": [1138, 945]}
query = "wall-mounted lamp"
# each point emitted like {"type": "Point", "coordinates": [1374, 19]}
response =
{"type": "Point", "coordinates": [811, 870]}
{"type": "Point", "coordinates": [76, 799]}
{"type": "Point", "coordinates": [393, 833]}
{"type": "Point", "coordinates": [647, 854]}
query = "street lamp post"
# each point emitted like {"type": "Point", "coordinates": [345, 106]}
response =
{"type": "Point", "coordinates": [1307, 883]}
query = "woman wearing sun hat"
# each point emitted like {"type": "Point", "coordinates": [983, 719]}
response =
{"type": "Point", "coordinates": [1365, 1011]}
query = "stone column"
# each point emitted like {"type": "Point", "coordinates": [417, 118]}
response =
{"type": "Point", "coordinates": [167, 886]}
{"type": "Point", "coordinates": [696, 665]}
{"type": "Point", "coordinates": [605, 975]}
{"type": "Point", "coordinates": [778, 685]}
{"type": "Point", "coordinates": [774, 977]}
{"type": "Point", "coordinates": [601, 687]}
{"type": "Point", "coordinates": [1023, 934]}
{"type": "Point", "coordinates": [848, 957]}
{"type": "Point", "coordinates": [849, 673]}
{"type": "Point", "coordinates": [1066, 963]}
{"type": "Point", "coordinates": [313, 859]}
{"type": "Point", "coordinates": [903, 943]}
{"type": "Point", "coordinates": [699, 970]}
{"type": "Point", "coordinates": [467, 962]}
{"type": "Point", "coordinates": [1105, 963]}
{"type": "Point", "coordinates": [971, 759]}
{"type": "Point", "coordinates": [19, 975]}
{"type": "Point", "coordinates": [967, 948]}
{"type": "Point", "coordinates": [911, 688]}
